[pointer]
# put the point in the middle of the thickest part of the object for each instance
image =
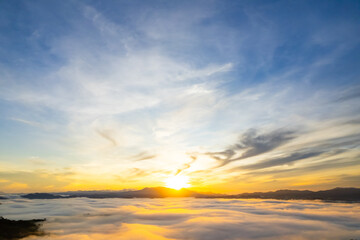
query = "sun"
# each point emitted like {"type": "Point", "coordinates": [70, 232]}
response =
{"type": "Point", "coordinates": [177, 182]}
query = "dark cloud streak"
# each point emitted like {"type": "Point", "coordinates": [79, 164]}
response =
{"type": "Point", "coordinates": [281, 161]}
{"type": "Point", "coordinates": [253, 144]}
{"type": "Point", "coordinates": [106, 135]}
{"type": "Point", "coordinates": [320, 166]}
{"type": "Point", "coordinates": [349, 94]}
{"type": "Point", "coordinates": [143, 156]}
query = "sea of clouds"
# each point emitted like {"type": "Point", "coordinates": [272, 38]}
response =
{"type": "Point", "coordinates": [188, 218]}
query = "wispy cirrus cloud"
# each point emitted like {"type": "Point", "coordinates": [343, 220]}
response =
{"type": "Point", "coordinates": [252, 144]}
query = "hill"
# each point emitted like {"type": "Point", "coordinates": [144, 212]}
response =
{"type": "Point", "coordinates": [336, 194]}
{"type": "Point", "coordinates": [11, 229]}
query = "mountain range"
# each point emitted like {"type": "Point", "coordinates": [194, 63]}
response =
{"type": "Point", "coordinates": [336, 194]}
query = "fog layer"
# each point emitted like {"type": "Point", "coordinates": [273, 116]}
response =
{"type": "Point", "coordinates": [210, 219]}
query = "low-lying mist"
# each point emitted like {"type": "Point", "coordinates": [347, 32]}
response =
{"type": "Point", "coordinates": [179, 218]}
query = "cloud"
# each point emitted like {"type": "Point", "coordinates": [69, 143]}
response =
{"type": "Point", "coordinates": [281, 161]}
{"type": "Point", "coordinates": [349, 94]}
{"type": "Point", "coordinates": [31, 123]}
{"type": "Point", "coordinates": [257, 144]}
{"type": "Point", "coordinates": [312, 168]}
{"type": "Point", "coordinates": [199, 219]}
{"type": "Point", "coordinates": [186, 165]}
{"type": "Point", "coordinates": [107, 135]}
{"type": "Point", "coordinates": [143, 156]}
{"type": "Point", "coordinates": [253, 144]}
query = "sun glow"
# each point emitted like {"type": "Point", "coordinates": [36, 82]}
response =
{"type": "Point", "coordinates": [177, 182]}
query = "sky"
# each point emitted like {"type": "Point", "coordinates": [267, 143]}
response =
{"type": "Point", "coordinates": [233, 96]}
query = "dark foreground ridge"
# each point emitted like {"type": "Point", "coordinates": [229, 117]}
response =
{"type": "Point", "coordinates": [11, 229]}
{"type": "Point", "coordinates": [336, 194]}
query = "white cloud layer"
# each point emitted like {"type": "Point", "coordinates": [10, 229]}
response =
{"type": "Point", "coordinates": [192, 219]}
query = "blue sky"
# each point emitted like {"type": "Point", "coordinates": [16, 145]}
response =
{"type": "Point", "coordinates": [135, 90]}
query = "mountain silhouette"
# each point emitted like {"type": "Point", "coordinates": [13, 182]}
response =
{"type": "Point", "coordinates": [336, 194]}
{"type": "Point", "coordinates": [341, 194]}
{"type": "Point", "coordinates": [149, 192]}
